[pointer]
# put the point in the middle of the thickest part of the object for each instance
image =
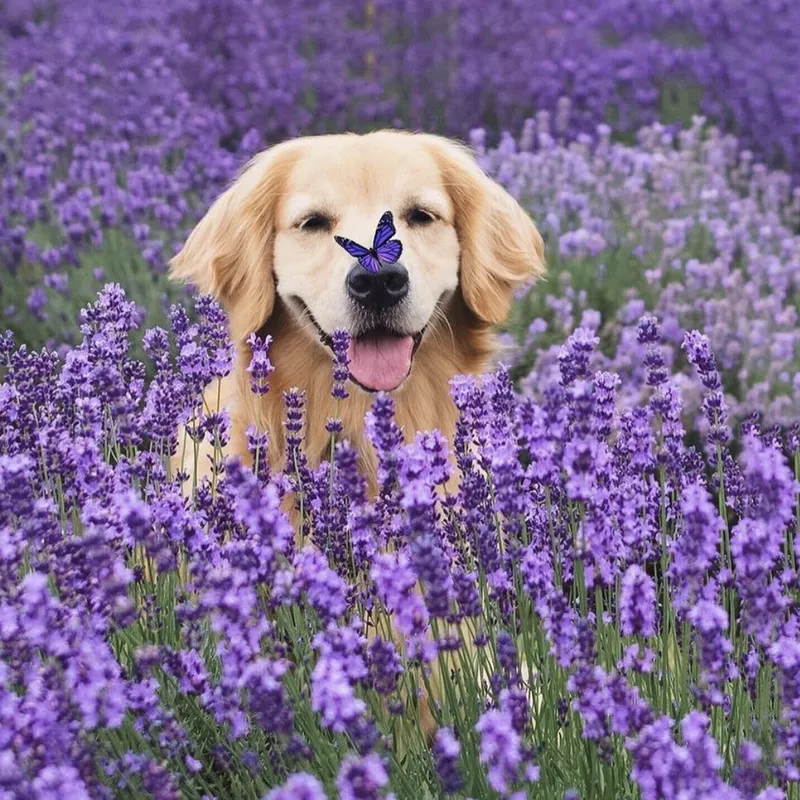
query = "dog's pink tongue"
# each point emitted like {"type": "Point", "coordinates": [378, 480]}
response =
{"type": "Point", "coordinates": [381, 363]}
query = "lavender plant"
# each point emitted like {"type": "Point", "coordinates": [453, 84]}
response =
{"type": "Point", "coordinates": [282, 68]}
{"type": "Point", "coordinates": [610, 609]}
{"type": "Point", "coordinates": [685, 226]}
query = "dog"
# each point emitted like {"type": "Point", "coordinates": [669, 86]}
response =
{"type": "Point", "coordinates": [266, 250]}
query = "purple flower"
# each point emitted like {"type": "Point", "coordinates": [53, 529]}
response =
{"type": "Point", "coordinates": [192, 764]}
{"type": "Point", "coordinates": [266, 697]}
{"type": "Point", "coordinates": [507, 657]}
{"type": "Point", "coordinates": [710, 621]}
{"type": "Point", "coordinates": [300, 786]}
{"type": "Point", "coordinates": [699, 354]}
{"type": "Point", "coordinates": [258, 447]}
{"type": "Point", "coordinates": [260, 367]}
{"type": "Point", "coordinates": [36, 302]}
{"type": "Point", "coordinates": [747, 776]}
{"type": "Point", "coordinates": [346, 643]}
{"type": "Point", "coordinates": [771, 484]}
{"type": "Point", "coordinates": [385, 666]}
{"type": "Point", "coordinates": [362, 778]}
{"type": "Point", "coordinates": [637, 603]}
{"type": "Point", "coordinates": [500, 751]}
{"type": "Point", "coordinates": [396, 581]}
{"type": "Point", "coordinates": [386, 438]}
{"type": "Point", "coordinates": [508, 475]}
{"type": "Point", "coordinates": [515, 702]}
{"type": "Point", "coordinates": [649, 333]}
{"type": "Point", "coordinates": [340, 341]}
{"type": "Point", "coordinates": [757, 540]}
{"type": "Point", "coordinates": [784, 653]}
{"type": "Point", "coordinates": [606, 385]}
{"type": "Point", "coordinates": [591, 700]}
{"type": "Point", "coordinates": [446, 752]}
{"type": "Point", "coordinates": [697, 545]}
{"type": "Point", "coordinates": [363, 523]}
{"type": "Point", "coordinates": [340, 666]}
{"type": "Point", "coordinates": [324, 589]}
{"type": "Point", "coordinates": [634, 660]}
{"type": "Point", "coordinates": [332, 695]}
{"type": "Point", "coordinates": [662, 768]}
{"type": "Point", "coordinates": [575, 355]}
{"type": "Point", "coordinates": [628, 711]}
{"type": "Point", "coordinates": [466, 593]}
{"type": "Point", "coordinates": [60, 781]}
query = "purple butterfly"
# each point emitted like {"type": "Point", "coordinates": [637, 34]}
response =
{"type": "Point", "coordinates": [383, 251]}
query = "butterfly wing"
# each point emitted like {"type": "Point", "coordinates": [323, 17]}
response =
{"type": "Point", "coordinates": [384, 231]}
{"type": "Point", "coordinates": [370, 262]}
{"type": "Point", "coordinates": [389, 252]}
{"type": "Point", "coordinates": [353, 248]}
{"type": "Point", "coordinates": [367, 258]}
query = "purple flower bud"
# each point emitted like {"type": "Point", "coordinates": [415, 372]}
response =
{"type": "Point", "coordinates": [637, 603]}
{"type": "Point", "coordinates": [385, 666]}
{"type": "Point", "coordinates": [500, 750]}
{"type": "Point", "coordinates": [260, 367]}
{"type": "Point", "coordinates": [446, 751]}
{"type": "Point", "coordinates": [698, 353]}
{"type": "Point", "coordinates": [697, 545]}
{"type": "Point", "coordinates": [362, 778]}
{"type": "Point", "coordinates": [574, 357]}
{"type": "Point", "coordinates": [340, 341]}
{"type": "Point", "coordinates": [300, 786]}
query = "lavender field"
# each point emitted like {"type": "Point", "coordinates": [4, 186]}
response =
{"type": "Point", "coordinates": [607, 606]}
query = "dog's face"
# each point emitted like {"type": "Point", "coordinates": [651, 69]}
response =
{"type": "Point", "coordinates": [273, 233]}
{"type": "Point", "coordinates": [342, 186]}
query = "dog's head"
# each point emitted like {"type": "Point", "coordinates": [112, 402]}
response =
{"type": "Point", "coordinates": [272, 234]}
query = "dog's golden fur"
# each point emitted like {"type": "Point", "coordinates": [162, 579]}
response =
{"type": "Point", "coordinates": [246, 250]}
{"type": "Point", "coordinates": [249, 252]}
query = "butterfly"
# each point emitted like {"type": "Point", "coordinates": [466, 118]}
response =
{"type": "Point", "coordinates": [384, 250]}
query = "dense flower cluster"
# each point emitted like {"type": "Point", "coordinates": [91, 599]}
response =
{"type": "Point", "coordinates": [685, 226]}
{"type": "Point", "coordinates": [281, 68]}
{"type": "Point", "coordinates": [609, 595]}
{"type": "Point", "coordinates": [591, 598]}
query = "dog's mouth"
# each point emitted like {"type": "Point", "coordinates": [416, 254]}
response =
{"type": "Point", "coordinates": [380, 358]}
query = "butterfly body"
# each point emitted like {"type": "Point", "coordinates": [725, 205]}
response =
{"type": "Point", "coordinates": [384, 250]}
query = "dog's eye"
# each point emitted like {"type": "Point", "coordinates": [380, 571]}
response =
{"type": "Point", "coordinates": [419, 216]}
{"type": "Point", "coordinates": [315, 223]}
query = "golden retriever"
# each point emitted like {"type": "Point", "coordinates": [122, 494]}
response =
{"type": "Point", "coordinates": [266, 250]}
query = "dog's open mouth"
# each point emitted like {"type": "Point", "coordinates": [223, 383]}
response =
{"type": "Point", "coordinates": [380, 358]}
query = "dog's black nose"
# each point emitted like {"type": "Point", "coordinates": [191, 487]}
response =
{"type": "Point", "coordinates": [378, 290]}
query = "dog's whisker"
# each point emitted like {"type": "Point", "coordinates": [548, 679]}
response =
{"type": "Point", "coordinates": [305, 322]}
{"type": "Point", "coordinates": [307, 325]}
{"type": "Point", "coordinates": [439, 315]}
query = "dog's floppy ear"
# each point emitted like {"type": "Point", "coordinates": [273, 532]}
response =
{"type": "Point", "coordinates": [229, 253]}
{"type": "Point", "coordinates": [500, 246]}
